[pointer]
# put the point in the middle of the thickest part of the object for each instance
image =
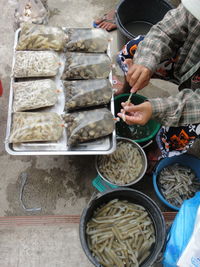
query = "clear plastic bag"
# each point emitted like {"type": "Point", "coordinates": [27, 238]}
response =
{"type": "Point", "coordinates": [181, 231]}
{"type": "Point", "coordinates": [87, 40]}
{"type": "Point", "coordinates": [191, 254]}
{"type": "Point", "coordinates": [87, 93]}
{"type": "Point", "coordinates": [34, 94]}
{"type": "Point", "coordinates": [36, 64]}
{"type": "Point", "coordinates": [32, 11]}
{"type": "Point", "coordinates": [40, 37]}
{"type": "Point", "coordinates": [86, 66]}
{"type": "Point", "coordinates": [88, 125]}
{"type": "Point", "coordinates": [36, 126]}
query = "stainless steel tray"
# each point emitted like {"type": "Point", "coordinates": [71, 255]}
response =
{"type": "Point", "coordinates": [101, 146]}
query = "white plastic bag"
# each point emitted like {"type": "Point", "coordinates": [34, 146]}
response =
{"type": "Point", "coordinates": [32, 11]}
{"type": "Point", "coordinates": [87, 93]}
{"type": "Point", "coordinates": [181, 230]}
{"type": "Point", "coordinates": [36, 64]}
{"type": "Point", "coordinates": [41, 37]}
{"type": "Point", "coordinates": [34, 94]}
{"type": "Point", "coordinates": [87, 40]}
{"type": "Point", "coordinates": [36, 126]}
{"type": "Point", "coordinates": [191, 255]}
{"type": "Point", "coordinates": [86, 66]}
{"type": "Point", "coordinates": [88, 125]}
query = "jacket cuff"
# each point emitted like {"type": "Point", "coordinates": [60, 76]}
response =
{"type": "Point", "coordinates": [158, 107]}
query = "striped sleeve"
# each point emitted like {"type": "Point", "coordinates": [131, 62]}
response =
{"type": "Point", "coordinates": [179, 110]}
{"type": "Point", "coordinates": [163, 39]}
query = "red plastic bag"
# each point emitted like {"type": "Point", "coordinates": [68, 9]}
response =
{"type": "Point", "coordinates": [1, 89]}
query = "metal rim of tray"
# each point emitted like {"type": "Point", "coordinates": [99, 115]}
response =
{"type": "Point", "coordinates": [110, 148]}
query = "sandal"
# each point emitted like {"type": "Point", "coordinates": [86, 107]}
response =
{"type": "Point", "coordinates": [107, 22]}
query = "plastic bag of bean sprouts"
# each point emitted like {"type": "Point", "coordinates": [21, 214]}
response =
{"type": "Point", "coordinates": [88, 125]}
{"type": "Point", "coordinates": [36, 64]}
{"type": "Point", "coordinates": [36, 126]}
{"type": "Point", "coordinates": [40, 37]}
{"type": "Point", "coordinates": [86, 66]}
{"type": "Point", "coordinates": [181, 232]}
{"type": "Point", "coordinates": [86, 93]}
{"type": "Point", "coordinates": [87, 40]}
{"type": "Point", "coordinates": [34, 94]}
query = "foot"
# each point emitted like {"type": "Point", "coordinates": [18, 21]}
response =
{"type": "Point", "coordinates": [107, 22]}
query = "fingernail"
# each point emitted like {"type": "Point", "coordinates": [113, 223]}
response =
{"type": "Point", "coordinates": [133, 90]}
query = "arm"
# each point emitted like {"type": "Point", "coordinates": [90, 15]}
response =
{"type": "Point", "coordinates": [163, 39]}
{"type": "Point", "coordinates": [160, 43]}
{"type": "Point", "coordinates": [179, 110]}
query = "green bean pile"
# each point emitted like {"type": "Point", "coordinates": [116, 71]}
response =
{"type": "Point", "coordinates": [41, 37]}
{"type": "Point", "coordinates": [178, 183]}
{"type": "Point", "coordinates": [120, 234]}
{"type": "Point", "coordinates": [36, 126]}
{"type": "Point", "coordinates": [122, 166]}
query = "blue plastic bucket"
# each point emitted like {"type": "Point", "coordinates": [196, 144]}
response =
{"type": "Point", "coordinates": [184, 160]}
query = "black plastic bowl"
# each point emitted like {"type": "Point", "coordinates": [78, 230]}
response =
{"type": "Point", "coordinates": [147, 12]}
{"type": "Point", "coordinates": [133, 196]}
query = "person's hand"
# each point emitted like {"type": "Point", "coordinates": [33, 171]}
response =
{"type": "Point", "coordinates": [136, 114]}
{"type": "Point", "coordinates": [138, 76]}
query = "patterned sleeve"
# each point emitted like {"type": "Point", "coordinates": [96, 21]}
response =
{"type": "Point", "coordinates": [163, 39]}
{"type": "Point", "coordinates": [179, 110]}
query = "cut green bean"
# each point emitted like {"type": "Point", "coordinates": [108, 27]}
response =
{"type": "Point", "coordinates": [124, 238]}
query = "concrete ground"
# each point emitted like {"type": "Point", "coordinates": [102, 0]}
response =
{"type": "Point", "coordinates": [60, 185]}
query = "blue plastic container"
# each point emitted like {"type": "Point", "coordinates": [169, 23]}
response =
{"type": "Point", "coordinates": [102, 185]}
{"type": "Point", "coordinates": [185, 160]}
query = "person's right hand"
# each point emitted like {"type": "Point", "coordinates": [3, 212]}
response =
{"type": "Point", "coordinates": [136, 114]}
{"type": "Point", "coordinates": [138, 76]}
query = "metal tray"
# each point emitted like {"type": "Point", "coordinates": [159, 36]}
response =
{"type": "Point", "coordinates": [101, 146]}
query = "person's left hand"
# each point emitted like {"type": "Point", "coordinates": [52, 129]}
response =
{"type": "Point", "coordinates": [136, 114]}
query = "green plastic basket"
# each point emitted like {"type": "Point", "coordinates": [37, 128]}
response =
{"type": "Point", "coordinates": [147, 132]}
